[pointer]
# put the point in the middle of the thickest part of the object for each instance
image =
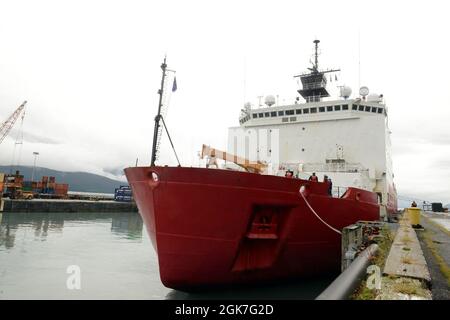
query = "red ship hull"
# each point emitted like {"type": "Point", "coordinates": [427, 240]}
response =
{"type": "Point", "coordinates": [221, 227]}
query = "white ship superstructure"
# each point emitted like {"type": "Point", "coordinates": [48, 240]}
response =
{"type": "Point", "coordinates": [347, 139]}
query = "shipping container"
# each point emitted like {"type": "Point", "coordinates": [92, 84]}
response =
{"type": "Point", "coordinates": [123, 193]}
{"type": "Point", "coordinates": [437, 207]}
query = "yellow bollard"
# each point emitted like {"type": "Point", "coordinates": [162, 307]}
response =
{"type": "Point", "coordinates": [414, 215]}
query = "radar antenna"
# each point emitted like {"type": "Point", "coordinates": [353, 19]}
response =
{"type": "Point", "coordinates": [314, 83]}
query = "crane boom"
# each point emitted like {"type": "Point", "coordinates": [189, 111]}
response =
{"type": "Point", "coordinates": [9, 123]}
{"type": "Point", "coordinates": [255, 167]}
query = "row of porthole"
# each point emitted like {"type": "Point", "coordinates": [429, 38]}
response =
{"type": "Point", "coordinates": [299, 111]}
{"type": "Point", "coordinates": [270, 130]}
{"type": "Point", "coordinates": [344, 107]}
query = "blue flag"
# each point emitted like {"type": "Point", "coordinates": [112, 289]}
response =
{"type": "Point", "coordinates": [174, 86]}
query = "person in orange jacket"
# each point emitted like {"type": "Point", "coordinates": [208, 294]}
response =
{"type": "Point", "coordinates": [313, 177]}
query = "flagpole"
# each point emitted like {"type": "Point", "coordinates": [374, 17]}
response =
{"type": "Point", "coordinates": [158, 116]}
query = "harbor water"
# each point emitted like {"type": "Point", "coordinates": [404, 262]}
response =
{"type": "Point", "coordinates": [111, 257]}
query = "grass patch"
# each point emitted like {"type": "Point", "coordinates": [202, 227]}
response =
{"type": "Point", "coordinates": [384, 246]}
{"type": "Point", "coordinates": [408, 286]}
{"type": "Point", "coordinates": [364, 293]}
{"type": "Point", "coordinates": [405, 288]}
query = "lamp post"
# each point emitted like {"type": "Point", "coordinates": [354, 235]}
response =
{"type": "Point", "coordinates": [34, 165]}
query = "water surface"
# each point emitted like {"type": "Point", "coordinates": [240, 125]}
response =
{"type": "Point", "coordinates": [115, 257]}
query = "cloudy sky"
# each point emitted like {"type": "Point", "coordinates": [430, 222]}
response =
{"type": "Point", "coordinates": [90, 72]}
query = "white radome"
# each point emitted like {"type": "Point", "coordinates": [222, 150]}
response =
{"type": "Point", "coordinates": [346, 92]}
{"type": "Point", "coordinates": [364, 91]}
{"type": "Point", "coordinates": [269, 100]}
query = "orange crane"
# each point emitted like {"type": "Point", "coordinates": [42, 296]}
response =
{"type": "Point", "coordinates": [9, 123]}
{"type": "Point", "coordinates": [250, 166]}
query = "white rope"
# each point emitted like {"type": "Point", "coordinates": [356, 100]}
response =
{"type": "Point", "coordinates": [312, 210]}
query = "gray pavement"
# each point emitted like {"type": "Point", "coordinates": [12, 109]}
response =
{"type": "Point", "coordinates": [441, 242]}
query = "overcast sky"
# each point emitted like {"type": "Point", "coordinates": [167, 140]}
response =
{"type": "Point", "coordinates": [90, 71]}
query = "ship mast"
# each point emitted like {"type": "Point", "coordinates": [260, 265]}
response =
{"type": "Point", "coordinates": [158, 116]}
{"type": "Point", "coordinates": [314, 83]}
{"type": "Point", "coordinates": [316, 55]}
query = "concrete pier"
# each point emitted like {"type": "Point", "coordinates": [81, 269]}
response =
{"type": "Point", "coordinates": [47, 205]}
{"type": "Point", "coordinates": [406, 258]}
{"type": "Point", "coordinates": [406, 274]}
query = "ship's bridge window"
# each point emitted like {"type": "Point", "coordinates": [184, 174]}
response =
{"type": "Point", "coordinates": [380, 110]}
{"type": "Point", "coordinates": [345, 107]}
{"type": "Point", "coordinates": [255, 115]}
{"type": "Point", "coordinates": [273, 114]}
{"type": "Point", "coordinates": [367, 109]}
{"type": "Point", "coordinates": [313, 110]}
{"type": "Point", "coordinates": [374, 109]}
{"type": "Point", "coordinates": [267, 114]}
{"type": "Point", "coordinates": [354, 107]}
{"type": "Point", "coordinates": [289, 112]}
{"type": "Point", "coordinates": [261, 115]}
{"type": "Point", "coordinates": [281, 113]}
{"type": "Point", "coordinates": [330, 108]}
{"type": "Point", "coordinates": [293, 119]}
{"type": "Point", "coordinates": [337, 108]}
{"type": "Point", "coordinates": [285, 119]}
{"type": "Point", "coordinates": [361, 108]}
{"type": "Point", "coordinates": [298, 111]}
{"type": "Point", "coordinates": [321, 109]}
{"type": "Point", "coordinates": [305, 110]}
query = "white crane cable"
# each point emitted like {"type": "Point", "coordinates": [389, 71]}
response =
{"type": "Point", "coordinates": [312, 210]}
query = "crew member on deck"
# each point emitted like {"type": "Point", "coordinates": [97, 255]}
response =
{"type": "Point", "coordinates": [329, 184]}
{"type": "Point", "coordinates": [413, 204]}
{"type": "Point", "coordinates": [313, 177]}
{"type": "Point", "coordinates": [289, 174]}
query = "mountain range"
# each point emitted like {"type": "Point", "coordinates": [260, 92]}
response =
{"type": "Point", "coordinates": [77, 181]}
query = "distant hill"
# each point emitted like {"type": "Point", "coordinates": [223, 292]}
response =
{"type": "Point", "coordinates": [78, 181]}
